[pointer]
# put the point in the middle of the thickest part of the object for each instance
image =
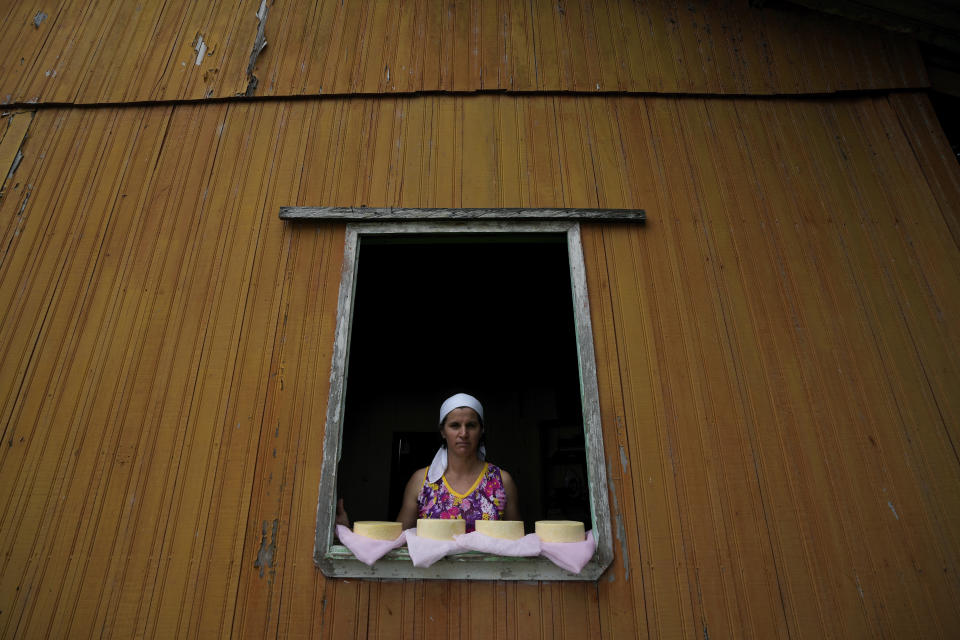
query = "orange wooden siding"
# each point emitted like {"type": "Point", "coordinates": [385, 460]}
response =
{"type": "Point", "coordinates": [73, 51]}
{"type": "Point", "coordinates": [778, 356]}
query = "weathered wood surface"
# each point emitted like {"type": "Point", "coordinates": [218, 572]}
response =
{"type": "Point", "coordinates": [13, 128]}
{"type": "Point", "coordinates": [777, 348]}
{"type": "Point", "coordinates": [74, 51]}
{"type": "Point", "coordinates": [368, 214]}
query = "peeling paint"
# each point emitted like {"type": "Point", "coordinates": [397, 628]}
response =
{"type": "Point", "coordinates": [621, 531]}
{"type": "Point", "coordinates": [16, 163]}
{"type": "Point", "coordinates": [267, 552]}
{"type": "Point", "coordinates": [201, 48]}
{"type": "Point", "coordinates": [623, 458]}
{"type": "Point", "coordinates": [259, 44]}
{"type": "Point", "coordinates": [856, 579]}
{"type": "Point", "coordinates": [895, 515]}
{"type": "Point", "coordinates": [26, 196]}
{"type": "Point", "coordinates": [38, 19]}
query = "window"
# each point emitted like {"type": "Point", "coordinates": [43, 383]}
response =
{"type": "Point", "coordinates": [439, 307]}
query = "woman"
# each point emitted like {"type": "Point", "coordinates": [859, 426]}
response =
{"type": "Point", "coordinates": [460, 484]}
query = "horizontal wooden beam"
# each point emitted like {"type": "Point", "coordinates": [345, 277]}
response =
{"type": "Point", "coordinates": [370, 214]}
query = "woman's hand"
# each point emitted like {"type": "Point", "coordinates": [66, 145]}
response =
{"type": "Point", "coordinates": [342, 517]}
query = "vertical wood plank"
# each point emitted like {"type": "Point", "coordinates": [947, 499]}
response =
{"type": "Point", "coordinates": [622, 589]}
{"type": "Point", "coordinates": [481, 148]}
{"type": "Point", "coordinates": [930, 147]}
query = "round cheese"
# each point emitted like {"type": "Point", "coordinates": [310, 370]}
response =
{"type": "Point", "coordinates": [440, 529]}
{"type": "Point", "coordinates": [560, 531]}
{"type": "Point", "coordinates": [377, 530]}
{"type": "Point", "coordinates": [503, 529]}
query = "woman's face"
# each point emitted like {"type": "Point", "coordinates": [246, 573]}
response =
{"type": "Point", "coordinates": [462, 431]}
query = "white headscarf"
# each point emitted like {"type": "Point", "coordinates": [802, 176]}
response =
{"type": "Point", "coordinates": [439, 464]}
{"type": "Point", "coordinates": [460, 400]}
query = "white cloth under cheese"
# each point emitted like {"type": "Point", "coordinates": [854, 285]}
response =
{"type": "Point", "coordinates": [367, 550]}
{"type": "Point", "coordinates": [528, 545]}
{"type": "Point", "coordinates": [425, 551]}
{"type": "Point", "coordinates": [572, 556]}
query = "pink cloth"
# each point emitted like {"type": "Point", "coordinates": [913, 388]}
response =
{"type": "Point", "coordinates": [528, 545]}
{"type": "Point", "coordinates": [425, 551]}
{"type": "Point", "coordinates": [367, 549]}
{"type": "Point", "coordinates": [572, 556]}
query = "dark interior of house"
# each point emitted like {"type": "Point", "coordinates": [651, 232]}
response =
{"type": "Point", "coordinates": [487, 315]}
{"type": "Point", "coordinates": [947, 108]}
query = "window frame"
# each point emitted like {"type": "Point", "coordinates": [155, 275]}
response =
{"type": "Point", "coordinates": [337, 561]}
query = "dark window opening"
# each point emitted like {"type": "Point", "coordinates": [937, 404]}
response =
{"type": "Point", "coordinates": [947, 108]}
{"type": "Point", "coordinates": [490, 315]}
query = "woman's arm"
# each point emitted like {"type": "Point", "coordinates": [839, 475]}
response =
{"type": "Point", "coordinates": [342, 517]}
{"type": "Point", "coordinates": [408, 511]}
{"type": "Point", "coordinates": [512, 512]}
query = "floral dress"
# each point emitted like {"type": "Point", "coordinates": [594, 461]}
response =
{"type": "Point", "coordinates": [485, 500]}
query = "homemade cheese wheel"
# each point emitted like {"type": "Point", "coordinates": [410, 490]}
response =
{"type": "Point", "coordinates": [440, 529]}
{"type": "Point", "coordinates": [503, 529]}
{"type": "Point", "coordinates": [377, 530]}
{"type": "Point", "coordinates": [560, 531]}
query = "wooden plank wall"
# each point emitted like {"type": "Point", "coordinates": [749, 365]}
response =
{"type": "Point", "coordinates": [74, 51]}
{"type": "Point", "coordinates": [777, 349]}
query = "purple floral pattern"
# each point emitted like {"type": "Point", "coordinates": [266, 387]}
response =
{"type": "Point", "coordinates": [485, 501]}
